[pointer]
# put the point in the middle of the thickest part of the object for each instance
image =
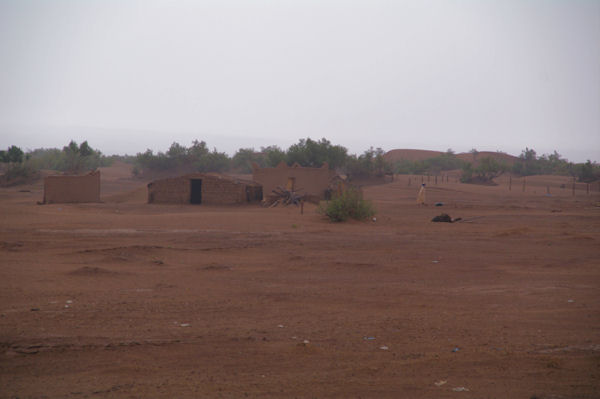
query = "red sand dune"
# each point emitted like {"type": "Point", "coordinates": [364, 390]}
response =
{"type": "Point", "coordinates": [410, 155]}
{"type": "Point", "coordinates": [420, 155]}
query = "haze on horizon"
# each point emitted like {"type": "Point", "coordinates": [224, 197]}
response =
{"type": "Point", "coordinates": [129, 75]}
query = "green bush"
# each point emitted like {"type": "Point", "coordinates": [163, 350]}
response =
{"type": "Point", "coordinates": [349, 204]}
{"type": "Point", "coordinates": [485, 173]}
{"type": "Point", "coordinates": [19, 173]}
{"type": "Point", "coordinates": [434, 165]}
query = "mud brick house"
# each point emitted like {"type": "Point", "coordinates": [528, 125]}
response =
{"type": "Point", "coordinates": [72, 188]}
{"type": "Point", "coordinates": [313, 182]}
{"type": "Point", "coordinates": [203, 188]}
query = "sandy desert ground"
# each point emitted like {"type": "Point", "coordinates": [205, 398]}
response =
{"type": "Point", "coordinates": [128, 300]}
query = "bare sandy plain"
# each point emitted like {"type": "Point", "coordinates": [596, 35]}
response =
{"type": "Point", "coordinates": [128, 300]}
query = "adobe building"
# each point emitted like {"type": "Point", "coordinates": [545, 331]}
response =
{"type": "Point", "coordinates": [203, 188]}
{"type": "Point", "coordinates": [312, 182]}
{"type": "Point", "coordinates": [72, 189]}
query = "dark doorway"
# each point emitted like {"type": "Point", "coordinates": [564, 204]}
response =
{"type": "Point", "coordinates": [195, 191]}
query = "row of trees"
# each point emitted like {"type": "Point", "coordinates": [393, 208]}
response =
{"type": "Point", "coordinates": [435, 165]}
{"type": "Point", "coordinates": [73, 158]}
{"type": "Point", "coordinates": [306, 152]}
{"type": "Point", "coordinates": [488, 168]}
{"type": "Point", "coordinates": [530, 163]}
{"type": "Point", "coordinates": [76, 158]}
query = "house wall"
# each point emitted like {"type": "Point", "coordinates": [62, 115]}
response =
{"type": "Point", "coordinates": [173, 190]}
{"type": "Point", "coordinates": [216, 190]}
{"type": "Point", "coordinates": [69, 189]}
{"type": "Point", "coordinates": [311, 181]}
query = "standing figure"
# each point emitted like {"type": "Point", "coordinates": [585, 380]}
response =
{"type": "Point", "coordinates": [421, 196]}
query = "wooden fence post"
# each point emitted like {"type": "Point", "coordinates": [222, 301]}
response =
{"type": "Point", "coordinates": [509, 183]}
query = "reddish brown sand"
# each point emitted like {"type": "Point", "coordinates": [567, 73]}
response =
{"type": "Point", "coordinates": [129, 300]}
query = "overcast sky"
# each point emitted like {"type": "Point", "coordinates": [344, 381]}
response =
{"type": "Point", "coordinates": [130, 75]}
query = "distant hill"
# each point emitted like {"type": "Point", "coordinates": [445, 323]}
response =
{"type": "Point", "coordinates": [420, 155]}
{"type": "Point", "coordinates": [410, 155]}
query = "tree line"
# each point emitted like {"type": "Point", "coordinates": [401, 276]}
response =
{"type": "Point", "coordinates": [77, 158]}
{"type": "Point", "coordinates": [488, 168]}
{"type": "Point", "coordinates": [306, 152]}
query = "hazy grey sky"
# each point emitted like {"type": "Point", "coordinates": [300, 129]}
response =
{"type": "Point", "coordinates": [129, 75]}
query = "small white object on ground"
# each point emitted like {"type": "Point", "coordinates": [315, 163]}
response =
{"type": "Point", "coordinates": [460, 389]}
{"type": "Point", "coordinates": [440, 383]}
{"type": "Point", "coordinates": [280, 326]}
{"type": "Point", "coordinates": [384, 348]}
{"type": "Point", "coordinates": [185, 325]}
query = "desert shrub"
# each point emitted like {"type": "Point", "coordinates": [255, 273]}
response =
{"type": "Point", "coordinates": [467, 173]}
{"type": "Point", "coordinates": [434, 165]}
{"type": "Point", "coordinates": [13, 155]}
{"type": "Point", "coordinates": [349, 204]}
{"type": "Point", "coordinates": [273, 155]}
{"type": "Point", "coordinates": [369, 164]}
{"type": "Point", "coordinates": [19, 173]}
{"type": "Point", "coordinates": [586, 172]}
{"type": "Point", "coordinates": [243, 159]}
{"type": "Point", "coordinates": [196, 158]}
{"type": "Point", "coordinates": [487, 170]}
{"type": "Point", "coordinates": [312, 153]}
{"type": "Point", "coordinates": [72, 158]}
